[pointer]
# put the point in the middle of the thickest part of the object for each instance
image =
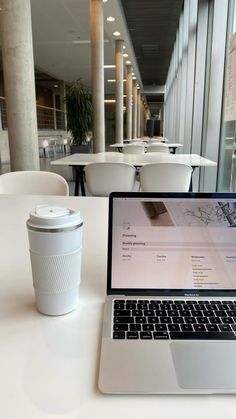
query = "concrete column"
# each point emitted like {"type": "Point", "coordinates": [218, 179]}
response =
{"type": "Point", "coordinates": [138, 112]}
{"type": "Point", "coordinates": [129, 85]}
{"type": "Point", "coordinates": [134, 116]}
{"type": "Point", "coordinates": [19, 81]}
{"type": "Point", "coordinates": [119, 135]}
{"type": "Point", "coordinates": [97, 69]}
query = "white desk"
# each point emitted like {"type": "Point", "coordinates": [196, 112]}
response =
{"type": "Point", "coordinates": [49, 365]}
{"type": "Point", "coordinates": [80, 160]}
{"type": "Point", "coordinates": [172, 146]}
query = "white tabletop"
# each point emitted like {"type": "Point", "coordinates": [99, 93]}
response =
{"type": "Point", "coordinates": [49, 365]}
{"type": "Point", "coordinates": [83, 159]}
{"type": "Point", "coordinates": [120, 145]}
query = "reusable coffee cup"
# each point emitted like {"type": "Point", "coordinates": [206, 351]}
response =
{"type": "Point", "coordinates": [55, 241]}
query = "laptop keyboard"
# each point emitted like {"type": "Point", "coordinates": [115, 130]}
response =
{"type": "Point", "coordinates": [178, 319]}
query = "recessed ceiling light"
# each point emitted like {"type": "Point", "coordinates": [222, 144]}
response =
{"type": "Point", "coordinates": [127, 62]}
{"type": "Point", "coordinates": [116, 33]}
{"type": "Point", "coordinates": [55, 85]}
{"type": "Point", "coordinates": [85, 41]}
{"type": "Point", "coordinates": [124, 47]}
{"type": "Point", "coordinates": [110, 19]}
{"type": "Point", "coordinates": [109, 66]}
{"type": "Point", "coordinates": [109, 100]}
{"type": "Point", "coordinates": [134, 78]}
{"type": "Point", "coordinates": [104, 1]}
{"type": "Point", "coordinates": [125, 55]}
{"type": "Point", "coordinates": [113, 80]}
{"type": "Point", "coordinates": [133, 74]}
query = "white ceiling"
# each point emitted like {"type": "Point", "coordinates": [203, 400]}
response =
{"type": "Point", "coordinates": [56, 23]}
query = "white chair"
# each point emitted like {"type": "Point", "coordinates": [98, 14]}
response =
{"type": "Point", "coordinates": [160, 148]}
{"type": "Point", "coordinates": [61, 144]}
{"type": "Point", "coordinates": [133, 149]}
{"type": "Point", "coordinates": [104, 178]}
{"type": "Point", "coordinates": [165, 177]}
{"type": "Point", "coordinates": [52, 142]}
{"type": "Point", "coordinates": [43, 144]}
{"type": "Point", "coordinates": [33, 183]}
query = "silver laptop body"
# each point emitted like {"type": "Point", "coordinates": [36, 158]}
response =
{"type": "Point", "coordinates": [170, 315]}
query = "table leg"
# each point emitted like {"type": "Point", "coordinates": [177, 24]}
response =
{"type": "Point", "coordinates": [79, 180]}
{"type": "Point", "coordinates": [191, 181]}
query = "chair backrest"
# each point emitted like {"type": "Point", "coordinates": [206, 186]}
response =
{"type": "Point", "coordinates": [165, 177]}
{"type": "Point", "coordinates": [160, 148]}
{"type": "Point", "coordinates": [134, 149]}
{"type": "Point", "coordinates": [33, 183]}
{"type": "Point", "coordinates": [103, 178]}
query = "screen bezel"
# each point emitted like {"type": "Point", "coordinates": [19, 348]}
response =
{"type": "Point", "coordinates": [158, 291]}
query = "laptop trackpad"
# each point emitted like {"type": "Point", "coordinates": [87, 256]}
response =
{"type": "Point", "coordinates": [205, 365]}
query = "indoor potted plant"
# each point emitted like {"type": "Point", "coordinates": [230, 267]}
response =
{"type": "Point", "coordinates": [79, 116]}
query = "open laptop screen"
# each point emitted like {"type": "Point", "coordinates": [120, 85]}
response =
{"type": "Point", "coordinates": [172, 243]}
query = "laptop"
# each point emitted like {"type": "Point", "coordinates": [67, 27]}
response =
{"type": "Point", "coordinates": [170, 314]}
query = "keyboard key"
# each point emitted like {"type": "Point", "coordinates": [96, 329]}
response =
{"type": "Point", "coordinates": [149, 313]}
{"type": "Point", "coordinates": [212, 327]}
{"type": "Point", "coordinates": [135, 327]}
{"type": "Point", "coordinates": [165, 306]}
{"type": "Point", "coordinates": [173, 327]}
{"type": "Point", "coordinates": [225, 327]}
{"type": "Point", "coordinates": [118, 335]}
{"type": "Point", "coordinates": [203, 335]}
{"type": "Point", "coordinates": [190, 320]}
{"type": "Point", "coordinates": [227, 320]}
{"type": "Point", "coordinates": [119, 306]}
{"type": "Point", "coordinates": [153, 320]}
{"type": "Point", "coordinates": [177, 320]}
{"type": "Point", "coordinates": [202, 320]}
{"type": "Point", "coordinates": [160, 335]}
{"type": "Point", "coordinates": [208, 313]}
{"type": "Point", "coordinates": [140, 320]}
{"type": "Point", "coordinates": [119, 301]}
{"type": "Point", "coordinates": [123, 319]}
{"type": "Point", "coordinates": [148, 327]}
{"type": "Point", "coordinates": [214, 320]}
{"type": "Point", "coordinates": [161, 313]}
{"type": "Point", "coordinates": [137, 313]}
{"type": "Point", "coordinates": [196, 313]}
{"type": "Point", "coordinates": [171, 313]}
{"type": "Point", "coordinates": [131, 301]}
{"type": "Point", "coordinates": [120, 327]}
{"type": "Point", "coordinates": [220, 313]}
{"type": "Point", "coordinates": [186, 327]}
{"type": "Point", "coordinates": [165, 320]}
{"type": "Point", "coordinates": [118, 313]}
{"type": "Point", "coordinates": [142, 306]}
{"type": "Point", "coordinates": [145, 335]}
{"type": "Point", "coordinates": [184, 313]}
{"type": "Point", "coordinates": [160, 327]}
{"type": "Point", "coordinates": [199, 328]}
{"type": "Point", "coordinates": [132, 335]}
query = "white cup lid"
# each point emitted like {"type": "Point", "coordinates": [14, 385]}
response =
{"type": "Point", "coordinates": [53, 217]}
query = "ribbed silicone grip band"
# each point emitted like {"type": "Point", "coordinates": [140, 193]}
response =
{"type": "Point", "coordinates": [55, 274]}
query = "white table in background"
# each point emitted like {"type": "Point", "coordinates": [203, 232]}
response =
{"type": "Point", "coordinates": [80, 160]}
{"type": "Point", "coordinates": [172, 146]}
{"type": "Point", "coordinates": [49, 365]}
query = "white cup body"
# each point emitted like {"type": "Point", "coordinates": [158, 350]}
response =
{"type": "Point", "coordinates": [55, 252]}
